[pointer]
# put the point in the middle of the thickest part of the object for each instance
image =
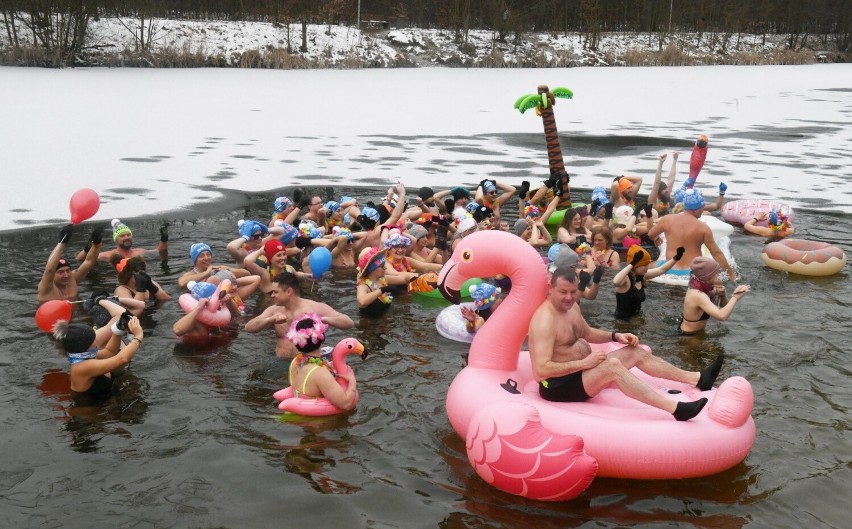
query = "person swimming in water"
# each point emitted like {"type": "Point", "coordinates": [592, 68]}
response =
{"type": "Point", "coordinates": [706, 296]}
{"type": "Point", "coordinates": [312, 375]}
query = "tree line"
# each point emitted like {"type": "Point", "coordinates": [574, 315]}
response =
{"type": "Point", "coordinates": [61, 24]}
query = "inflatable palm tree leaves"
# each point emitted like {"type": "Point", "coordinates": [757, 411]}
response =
{"type": "Point", "coordinates": [543, 102]}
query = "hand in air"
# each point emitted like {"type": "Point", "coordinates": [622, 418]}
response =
{"type": "Point", "coordinates": [65, 233]}
{"type": "Point", "coordinates": [636, 258]}
{"type": "Point", "coordinates": [598, 274]}
{"type": "Point", "coordinates": [662, 157]}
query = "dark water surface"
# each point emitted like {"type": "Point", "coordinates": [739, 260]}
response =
{"type": "Point", "coordinates": [194, 439]}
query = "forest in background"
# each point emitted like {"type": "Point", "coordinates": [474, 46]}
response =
{"type": "Point", "coordinates": [58, 27]}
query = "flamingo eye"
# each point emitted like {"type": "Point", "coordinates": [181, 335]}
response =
{"type": "Point", "coordinates": [349, 346]}
{"type": "Point", "coordinates": [467, 256]}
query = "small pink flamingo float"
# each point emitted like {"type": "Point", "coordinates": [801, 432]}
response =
{"type": "Point", "coordinates": [318, 407]}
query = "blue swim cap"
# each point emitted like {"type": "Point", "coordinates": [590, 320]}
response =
{"type": "Point", "coordinates": [309, 228]}
{"type": "Point", "coordinates": [599, 194]}
{"type": "Point", "coordinates": [371, 214]}
{"type": "Point", "coordinates": [553, 251]}
{"type": "Point", "coordinates": [347, 219]}
{"type": "Point", "coordinates": [290, 234]}
{"type": "Point", "coordinates": [282, 203]}
{"type": "Point", "coordinates": [472, 206]}
{"type": "Point", "coordinates": [345, 199]}
{"type": "Point", "coordinates": [484, 295]}
{"type": "Point", "coordinates": [692, 200]}
{"type": "Point", "coordinates": [332, 206]}
{"type": "Point", "coordinates": [197, 249]}
{"type": "Point", "coordinates": [201, 289]}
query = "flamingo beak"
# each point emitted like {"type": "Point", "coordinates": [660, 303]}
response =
{"type": "Point", "coordinates": [449, 282]}
{"type": "Point", "coordinates": [360, 350]}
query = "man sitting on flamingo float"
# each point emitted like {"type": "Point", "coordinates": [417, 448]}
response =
{"type": "Point", "coordinates": [569, 371]}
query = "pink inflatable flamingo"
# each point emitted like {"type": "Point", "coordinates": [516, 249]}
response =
{"type": "Point", "coordinates": [317, 407]}
{"type": "Point", "coordinates": [542, 450]}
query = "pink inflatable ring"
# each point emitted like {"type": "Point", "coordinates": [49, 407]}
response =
{"type": "Point", "coordinates": [807, 258]}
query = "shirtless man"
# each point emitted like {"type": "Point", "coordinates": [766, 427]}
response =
{"type": "Point", "coordinates": [58, 280]}
{"type": "Point", "coordinates": [288, 304]}
{"type": "Point", "coordinates": [684, 229]}
{"type": "Point", "coordinates": [569, 371]}
{"type": "Point", "coordinates": [123, 238]}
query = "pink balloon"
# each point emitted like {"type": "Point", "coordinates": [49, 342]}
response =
{"type": "Point", "coordinates": [84, 204]}
{"type": "Point", "coordinates": [52, 311]}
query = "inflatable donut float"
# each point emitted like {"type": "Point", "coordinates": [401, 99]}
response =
{"type": "Point", "coordinates": [741, 211]}
{"type": "Point", "coordinates": [215, 314]}
{"type": "Point", "coordinates": [800, 256]}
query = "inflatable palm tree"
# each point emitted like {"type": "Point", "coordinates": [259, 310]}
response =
{"type": "Point", "coordinates": [543, 102]}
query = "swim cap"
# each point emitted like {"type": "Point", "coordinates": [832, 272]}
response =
{"type": "Point", "coordinates": [369, 260]}
{"type": "Point", "coordinates": [520, 227]}
{"type": "Point", "coordinates": [197, 249]}
{"type": "Point", "coordinates": [75, 337]}
{"type": "Point", "coordinates": [622, 214]}
{"type": "Point", "coordinates": [465, 225]}
{"type": "Point", "coordinates": [397, 241]}
{"type": "Point", "coordinates": [692, 200]}
{"type": "Point", "coordinates": [599, 195]}
{"type": "Point", "coordinates": [624, 185]}
{"type": "Point", "coordinates": [704, 268]}
{"type": "Point", "coordinates": [646, 257]}
{"type": "Point", "coordinates": [531, 211]}
{"type": "Point", "coordinates": [346, 199]}
{"type": "Point", "coordinates": [118, 228]}
{"type": "Point", "coordinates": [489, 186]}
{"type": "Point", "coordinates": [553, 251]}
{"type": "Point", "coordinates": [777, 217]}
{"type": "Point", "coordinates": [201, 289]}
{"type": "Point", "coordinates": [562, 255]}
{"type": "Point", "coordinates": [272, 247]}
{"type": "Point", "coordinates": [459, 193]}
{"type": "Point", "coordinates": [62, 262]}
{"type": "Point", "coordinates": [331, 206]}
{"type": "Point", "coordinates": [472, 206]}
{"type": "Point", "coordinates": [417, 232]}
{"type": "Point", "coordinates": [484, 295]}
{"type": "Point", "coordinates": [340, 231]}
{"type": "Point", "coordinates": [289, 235]}
{"type": "Point", "coordinates": [307, 332]}
{"type": "Point", "coordinates": [370, 213]}
{"type": "Point", "coordinates": [425, 193]}
{"type": "Point", "coordinates": [309, 228]}
{"type": "Point", "coordinates": [282, 203]}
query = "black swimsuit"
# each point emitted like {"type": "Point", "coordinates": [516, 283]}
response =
{"type": "Point", "coordinates": [629, 304]}
{"type": "Point", "coordinates": [101, 387]}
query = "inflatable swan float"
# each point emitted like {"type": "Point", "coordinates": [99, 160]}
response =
{"type": "Point", "coordinates": [524, 445]}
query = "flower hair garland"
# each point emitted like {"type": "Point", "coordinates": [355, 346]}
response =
{"type": "Point", "coordinates": [315, 333]}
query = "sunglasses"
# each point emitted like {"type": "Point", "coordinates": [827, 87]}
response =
{"type": "Point", "coordinates": [257, 236]}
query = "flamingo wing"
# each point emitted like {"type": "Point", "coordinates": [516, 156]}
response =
{"type": "Point", "coordinates": [511, 450]}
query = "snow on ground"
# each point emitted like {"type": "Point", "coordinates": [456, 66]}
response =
{"type": "Point", "coordinates": [334, 44]}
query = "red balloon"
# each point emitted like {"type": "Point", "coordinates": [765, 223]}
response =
{"type": "Point", "coordinates": [84, 204]}
{"type": "Point", "coordinates": [52, 311]}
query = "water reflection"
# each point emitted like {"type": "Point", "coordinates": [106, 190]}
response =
{"type": "Point", "coordinates": [89, 419]}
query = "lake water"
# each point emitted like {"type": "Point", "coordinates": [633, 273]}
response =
{"type": "Point", "coordinates": [193, 438]}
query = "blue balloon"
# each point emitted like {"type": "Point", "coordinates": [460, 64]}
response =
{"type": "Point", "coordinates": [320, 261]}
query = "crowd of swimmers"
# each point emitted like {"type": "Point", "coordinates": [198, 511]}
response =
{"type": "Point", "coordinates": [397, 245]}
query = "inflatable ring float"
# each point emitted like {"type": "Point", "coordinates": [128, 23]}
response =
{"type": "Point", "coordinates": [452, 325]}
{"type": "Point", "coordinates": [320, 406]}
{"type": "Point", "coordinates": [807, 258]}
{"type": "Point", "coordinates": [215, 314]}
{"type": "Point", "coordinates": [521, 444]}
{"type": "Point", "coordinates": [741, 211]}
